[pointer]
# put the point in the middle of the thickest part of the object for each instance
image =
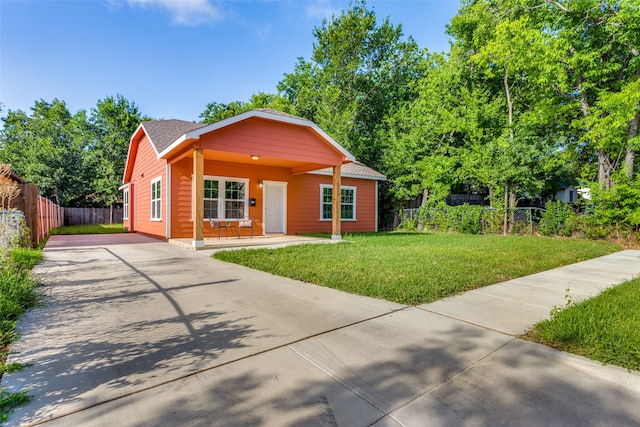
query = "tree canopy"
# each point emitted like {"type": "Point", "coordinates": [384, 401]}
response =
{"type": "Point", "coordinates": [75, 159]}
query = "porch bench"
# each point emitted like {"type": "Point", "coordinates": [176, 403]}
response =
{"type": "Point", "coordinates": [246, 223]}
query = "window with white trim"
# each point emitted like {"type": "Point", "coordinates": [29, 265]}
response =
{"type": "Point", "coordinates": [347, 202]}
{"type": "Point", "coordinates": [210, 198]}
{"type": "Point", "coordinates": [225, 198]}
{"type": "Point", "coordinates": [156, 199]}
{"type": "Point", "coordinates": [125, 204]}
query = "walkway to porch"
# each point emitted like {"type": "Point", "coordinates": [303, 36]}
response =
{"type": "Point", "coordinates": [232, 242]}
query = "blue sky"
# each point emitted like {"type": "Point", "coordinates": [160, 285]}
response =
{"type": "Point", "coordinates": [172, 57]}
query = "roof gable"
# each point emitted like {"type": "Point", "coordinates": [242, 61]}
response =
{"type": "Point", "coordinates": [264, 113]}
{"type": "Point", "coordinates": [162, 133]}
{"type": "Point", "coordinates": [167, 137]}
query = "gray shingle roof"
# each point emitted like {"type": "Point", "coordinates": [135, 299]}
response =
{"type": "Point", "coordinates": [355, 169]}
{"type": "Point", "coordinates": [163, 132]}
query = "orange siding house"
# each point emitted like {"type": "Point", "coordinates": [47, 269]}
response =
{"type": "Point", "coordinates": [276, 168]}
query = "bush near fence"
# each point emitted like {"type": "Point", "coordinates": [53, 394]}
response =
{"type": "Point", "coordinates": [471, 219]}
{"type": "Point", "coordinates": [556, 219]}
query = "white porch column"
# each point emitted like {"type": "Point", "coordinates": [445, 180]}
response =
{"type": "Point", "coordinates": [198, 203]}
{"type": "Point", "coordinates": [336, 233]}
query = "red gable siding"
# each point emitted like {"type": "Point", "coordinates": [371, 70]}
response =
{"type": "Point", "coordinates": [272, 139]}
{"type": "Point", "coordinates": [147, 167]}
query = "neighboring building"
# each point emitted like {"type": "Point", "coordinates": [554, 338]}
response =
{"type": "Point", "coordinates": [279, 169]}
{"type": "Point", "coordinates": [568, 194]}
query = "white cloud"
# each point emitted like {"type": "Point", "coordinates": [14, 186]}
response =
{"type": "Point", "coordinates": [184, 12]}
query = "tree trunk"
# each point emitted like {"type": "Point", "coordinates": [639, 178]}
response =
{"type": "Point", "coordinates": [505, 218]}
{"type": "Point", "coordinates": [423, 203]}
{"type": "Point", "coordinates": [490, 198]}
{"type": "Point", "coordinates": [604, 170]}
{"type": "Point", "coordinates": [507, 90]}
{"type": "Point", "coordinates": [425, 197]}
{"type": "Point", "coordinates": [512, 205]}
{"type": "Point", "coordinates": [629, 158]}
{"type": "Point", "coordinates": [604, 164]}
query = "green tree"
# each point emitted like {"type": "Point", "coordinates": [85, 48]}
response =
{"type": "Point", "coordinates": [214, 112]}
{"type": "Point", "coordinates": [591, 65]}
{"type": "Point", "coordinates": [358, 72]}
{"type": "Point", "coordinates": [47, 149]}
{"type": "Point", "coordinates": [112, 122]}
{"type": "Point", "coordinates": [423, 137]}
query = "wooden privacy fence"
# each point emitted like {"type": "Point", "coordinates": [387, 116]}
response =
{"type": "Point", "coordinates": [77, 216]}
{"type": "Point", "coordinates": [40, 213]}
{"type": "Point", "coordinates": [50, 216]}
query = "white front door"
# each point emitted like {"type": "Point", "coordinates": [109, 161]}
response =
{"type": "Point", "coordinates": [275, 207]}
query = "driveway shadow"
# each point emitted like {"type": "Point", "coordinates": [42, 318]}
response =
{"type": "Point", "coordinates": [107, 329]}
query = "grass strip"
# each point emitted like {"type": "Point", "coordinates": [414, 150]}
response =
{"type": "Point", "coordinates": [88, 229]}
{"type": "Point", "coordinates": [605, 328]}
{"type": "Point", "coordinates": [17, 295]}
{"type": "Point", "coordinates": [417, 268]}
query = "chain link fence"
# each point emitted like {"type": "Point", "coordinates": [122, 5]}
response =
{"type": "Point", "coordinates": [522, 220]}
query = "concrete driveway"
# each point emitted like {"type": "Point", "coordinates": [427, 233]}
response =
{"type": "Point", "coordinates": [137, 332]}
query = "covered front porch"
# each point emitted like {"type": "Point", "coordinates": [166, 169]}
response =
{"type": "Point", "coordinates": [248, 167]}
{"type": "Point", "coordinates": [244, 242]}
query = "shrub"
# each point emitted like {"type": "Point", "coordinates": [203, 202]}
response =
{"type": "Point", "coordinates": [469, 217]}
{"type": "Point", "coordinates": [557, 219]}
{"type": "Point", "coordinates": [491, 220]}
{"type": "Point", "coordinates": [17, 289]}
{"type": "Point", "coordinates": [407, 223]}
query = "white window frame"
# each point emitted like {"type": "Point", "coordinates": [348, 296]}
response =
{"type": "Point", "coordinates": [322, 203]}
{"type": "Point", "coordinates": [125, 203]}
{"type": "Point", "coordinates": [156, 201]}
{"type": "Point", "coordinates": [222, 181]}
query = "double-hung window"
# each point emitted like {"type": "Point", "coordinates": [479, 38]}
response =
{"type": "Point", "coordinates": [210, 198]}
{"type": "Point", "coordinates": [234, 199]}
{"type": "Point", "coordinates": [347, 202]}
{"type": "Point", "coordinates": [125, 204]}
{"type": "Point", "coordinates": [156, 199]}
{"type": "Point", "coordinates": [225, 198]}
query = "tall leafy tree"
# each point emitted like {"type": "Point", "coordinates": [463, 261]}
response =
{"type": "Point", "coordinates": [358, 72]}
{"type": "Point", "coordinates": [423, 137]}
{"type": "Point", "coordinates": [112, 121]}
{"type": "Point", "coordinates": [586, 54]}
{"type": "Point", "coordinates": [47, 149]}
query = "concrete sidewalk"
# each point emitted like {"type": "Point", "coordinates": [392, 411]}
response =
{"type": "Point", "coordinates": [137, 332]}
{"type": "Point", "coordinates": [513, 307]}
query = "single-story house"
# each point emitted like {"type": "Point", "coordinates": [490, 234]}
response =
{"type": "Point", "coordinates": [280, 170]}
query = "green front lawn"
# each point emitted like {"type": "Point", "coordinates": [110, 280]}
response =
{"type": "Point", "coordinates": [89, 229]}
{"type": "Point", "coordinates": [416, 268]}
{"type": "Point", "coordinates": [604, 328]}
